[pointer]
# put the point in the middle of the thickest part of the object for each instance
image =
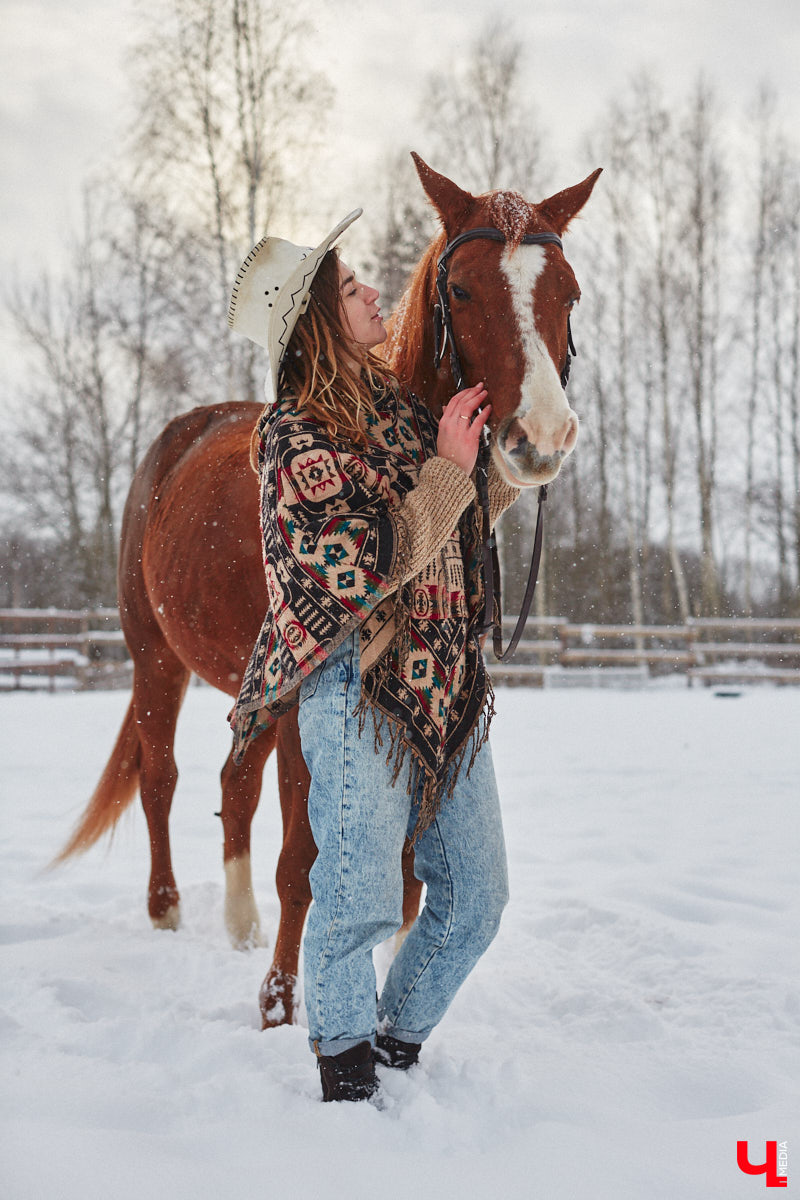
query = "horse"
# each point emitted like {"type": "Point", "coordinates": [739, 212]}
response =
{"type": "Point", "coordinates": [192, 593]}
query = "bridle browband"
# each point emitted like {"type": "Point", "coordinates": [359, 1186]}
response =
{"type": "Point", "coordinates": [442, 338]}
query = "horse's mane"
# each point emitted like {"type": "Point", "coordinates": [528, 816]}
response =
{"type": "Point", "coordinates": [509, 212]}
{"type": "Point", "coordinates": [407, 323]}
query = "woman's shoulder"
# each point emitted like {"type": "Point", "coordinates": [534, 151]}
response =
{"type": "Point", "coordinates": [281, 430]}
{"type": "Point", "coordinates": [286, 417]}
{"type": "Point", "coordinates": [291, 434]}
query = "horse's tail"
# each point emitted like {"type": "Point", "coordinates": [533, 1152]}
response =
{"type": "Point", "coordinates": [115, 791]}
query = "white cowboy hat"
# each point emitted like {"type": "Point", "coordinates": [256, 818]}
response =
{"type": "Point", "coordinates": [272, 290]}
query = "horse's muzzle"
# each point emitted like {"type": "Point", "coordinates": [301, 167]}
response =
{"type": "Point", "coordinates": [523, 462]}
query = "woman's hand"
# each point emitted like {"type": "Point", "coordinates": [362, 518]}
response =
{"type": "Point", "coordinates": [460, 429]}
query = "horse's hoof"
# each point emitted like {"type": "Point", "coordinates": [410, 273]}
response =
{"type": "Point", "coordinates": [276, 1000]}
{"type": "Point", "coordinates": [243, 925]}
{"type": "Point", "coordinates": [171, 919]}
{"type": "Point", "coordinates": [249, 939]}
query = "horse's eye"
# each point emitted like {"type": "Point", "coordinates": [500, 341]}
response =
{"type": "Point", "coordinates": [459, 293]}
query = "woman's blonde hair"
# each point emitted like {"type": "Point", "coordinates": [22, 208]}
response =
{"type": "Point", "coordinates": [330, 377]}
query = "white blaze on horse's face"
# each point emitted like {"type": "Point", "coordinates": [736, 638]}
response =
{"type": "Point", "coordinates": [532, 443]}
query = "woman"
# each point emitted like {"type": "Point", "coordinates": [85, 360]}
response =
{"type": "Point", "coordinates": [372, 552]}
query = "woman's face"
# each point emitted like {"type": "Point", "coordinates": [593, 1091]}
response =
{"type": "Point", "coordinates": [359, 305]}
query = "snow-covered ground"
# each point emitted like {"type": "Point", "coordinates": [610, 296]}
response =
{"type": "Point", "coordinates": [637, 1015]}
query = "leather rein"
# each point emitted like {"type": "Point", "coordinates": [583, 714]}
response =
{"type": "Point", "coordinates": [492, 616]}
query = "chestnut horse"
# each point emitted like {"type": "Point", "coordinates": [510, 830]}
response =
{"type": "Point", "coordinates": [191, 582]}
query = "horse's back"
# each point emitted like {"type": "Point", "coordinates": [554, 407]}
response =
{"type": "Point", "coordinates": [184, 435]}
{"type": "Point", "coordinates": [190, 572]}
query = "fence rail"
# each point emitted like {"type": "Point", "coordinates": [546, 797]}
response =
{"type": "Point", "coordinates": [56, 648]}
{"type": "Point", "coordinates": [705, 650]}
{"type": "Point", "coordinates": [59, 648]}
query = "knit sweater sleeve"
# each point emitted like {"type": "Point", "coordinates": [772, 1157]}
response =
{"type": "Point", "coordinates": [429, 514]}
{"type": "Point", "coordinates": [501, 494]}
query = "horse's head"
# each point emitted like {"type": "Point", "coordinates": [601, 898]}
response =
{"type": "Point", "coordinates": [509, 305]}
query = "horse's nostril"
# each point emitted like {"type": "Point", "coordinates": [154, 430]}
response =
{"type": "Point", "coordinates": [516, 439]}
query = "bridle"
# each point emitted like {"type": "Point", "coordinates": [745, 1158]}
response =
{"type": "Point", "coordinates": [442, 317]}
{"type": "Point", "coordinates": [443, 337]}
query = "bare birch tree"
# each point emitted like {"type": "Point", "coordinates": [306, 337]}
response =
{"type": "Point", "coordinates": [227, 111]}
{"type": "Point", "coordinates": [613, 291]}
{"type": "Point", "coordinates": [782, 268]}
{"type": "Point", "coordinates": [793, 306]}
{"type": "Point", "coordinates": [763, 204]}
{"type": "Point", "coordinates": [656, 159]}
{"type": "Point", "coordinates": [482, 128]}
{"type": "Point", "coordinates": [138, 331]}
{"type": "Point", "coordinates": [403, 228]}
{"type": "Point", "coordinates": [67, 453]}
{"type": "Point", "coordinates": [702, 233]}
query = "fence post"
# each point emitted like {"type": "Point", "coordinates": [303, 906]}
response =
{"type": "Point", "coordinates": [691, 647]}
{"type": "Point", "coordinates": [562, 637]}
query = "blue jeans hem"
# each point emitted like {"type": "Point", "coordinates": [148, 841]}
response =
{"type": "Point", "coordinates": [406, 1035]}
{"type": "Point", "coordinates": [338, 1045]}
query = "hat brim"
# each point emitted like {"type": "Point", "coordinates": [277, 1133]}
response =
{"type": "Point", "coordinates": [291, 299]}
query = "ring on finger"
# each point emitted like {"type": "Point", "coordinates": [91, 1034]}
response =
{"type": "Point", "coordinates": [462, 417]}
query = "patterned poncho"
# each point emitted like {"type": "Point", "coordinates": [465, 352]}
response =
{"type": "Point", "coordinates": [386, 539]}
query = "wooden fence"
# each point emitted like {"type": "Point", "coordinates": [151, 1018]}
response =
{"type": "Point", "coordinates": [734, 650]}
{"type": "Point", "coordinates": [56, 648]}
{"type": "Point", "coordinates": [50, 648]}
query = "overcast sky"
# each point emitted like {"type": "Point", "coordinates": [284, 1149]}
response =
{"type": "Point", "coordinates": [63, 93]}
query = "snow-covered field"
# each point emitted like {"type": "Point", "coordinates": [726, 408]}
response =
{"type": "Point", "coordinates": [637, 1015]}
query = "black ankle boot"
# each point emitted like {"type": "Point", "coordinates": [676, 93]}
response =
{"type": "Point", "coordinates": [349, 1075]}
{"type": "Point", "coordinates": [391, 1052]}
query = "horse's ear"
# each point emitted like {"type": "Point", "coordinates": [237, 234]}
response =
{"type": "Point", "coordinates": [559, 210]}
{"type": "Point", "coordinates": [449, 200]}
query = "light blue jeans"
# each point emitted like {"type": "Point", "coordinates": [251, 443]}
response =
{"type": "Point", "coordinates": [360, 821]}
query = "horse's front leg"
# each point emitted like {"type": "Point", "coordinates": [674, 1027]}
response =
{"type": "Point", "coordinates": [241, 789]}
{"type": "Point", "coordinates": [277, 997]}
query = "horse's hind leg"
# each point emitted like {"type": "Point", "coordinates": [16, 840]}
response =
{"type": "Point", "coordinates": [159, 685]}
{"type": "Point", "coordinates": [277, 997]}
{"type": "Point", "coordinates": [241, 789]}
{"type": "Point", "coordinates": [412, 891]}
